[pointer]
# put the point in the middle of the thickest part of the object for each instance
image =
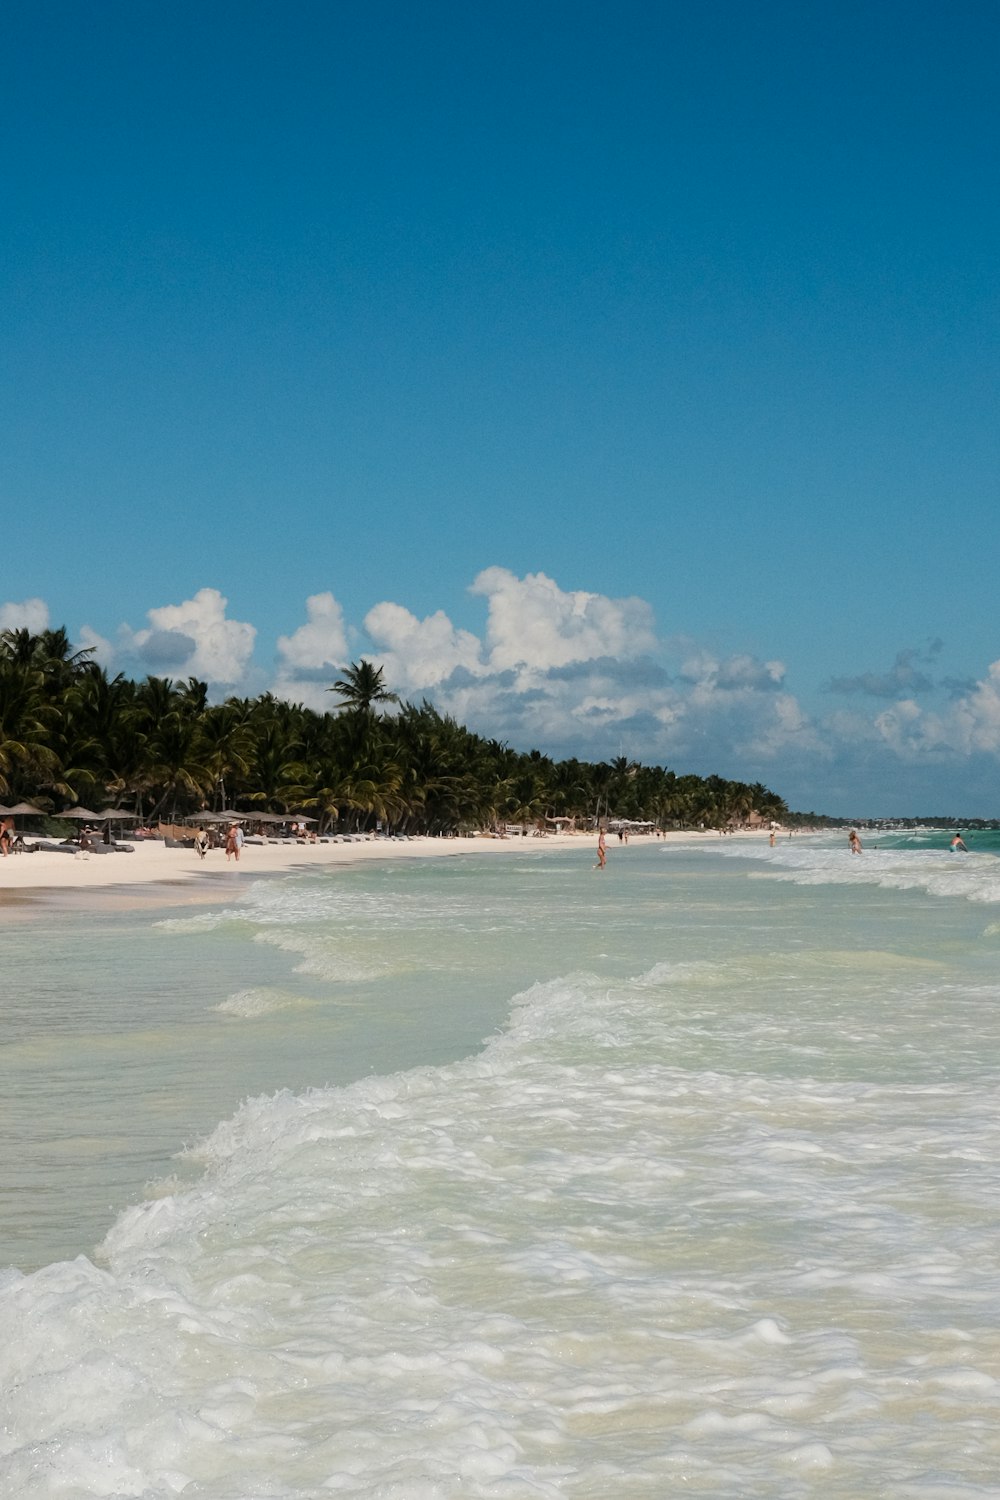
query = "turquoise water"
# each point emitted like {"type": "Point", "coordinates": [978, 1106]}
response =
{"type": "Point", "coordinates": [508, 1178]}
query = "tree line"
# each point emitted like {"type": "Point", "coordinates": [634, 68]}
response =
{"type": "Point", "coordinates": [71, 734]}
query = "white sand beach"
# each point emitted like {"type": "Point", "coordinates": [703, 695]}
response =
{"type": "Point", "coordinates": [184, 875]}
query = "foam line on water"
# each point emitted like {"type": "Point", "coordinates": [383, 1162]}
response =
{"type": "Point", "coordinates": [573, 1264]}
{"type": "Point", "coordinates": [969, 877]}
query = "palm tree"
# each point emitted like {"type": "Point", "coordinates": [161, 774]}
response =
{"type": "Point", "coordinates": [226, 744]}
{"type": "Point", "coordinates": [280, 775]}
{"type": "Point", "coordinates": [361, 686]}
{"type": "Point", "coordinates": [26, 722]}
{"type": "Point", "coordinates": [177, 764]}
{"type": "Point", "coordinates": [66, 730]}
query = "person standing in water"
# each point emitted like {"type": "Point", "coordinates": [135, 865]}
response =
{"type": "Point", "coordinates": [958, 845]}
{"type": "Point", "coordinates": [854, 842]}
{"type": "Point", "coordinates": [602, 851]}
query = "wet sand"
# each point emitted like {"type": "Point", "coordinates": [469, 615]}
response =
{"type": "Point", "coordinates": [153, 875]}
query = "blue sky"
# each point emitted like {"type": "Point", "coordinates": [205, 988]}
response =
{"type": "Point", "coordinates": [623, 378]}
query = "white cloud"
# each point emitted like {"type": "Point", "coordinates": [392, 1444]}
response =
{"type": "Point", "coordinates": [970, 725]}
{"type": "Point", "coordinates": [577, 673]}
{"type": "Point", "coordinates": [104, 651]}
{"type": "Point", "coordinates": [320, 643]}
{"type": "Point", "coordinates": [535, 623]}
{"type": "Point", "coordinates": [193, 639]}
{"type": "Point", "coordinates": [419, 654]}
{"type": "Point", "coordinates": [568, 671]}
{"type": "Point", "coordinates": [31, 614]}
{"type": "Point", "coordinates": [977, 715]}
{"type": "Point", "coordinates": [780, 724]}
{"type": "Point", "coordinates": [730, 674]}
{"type": "Point", "coordinates": [313, 655]}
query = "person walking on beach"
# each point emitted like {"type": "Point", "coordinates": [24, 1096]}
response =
{"type": "Point", "coordinates": [201, 843]}
{"type": "Point", "coordinates": [854, 842]}
{"type": "Point", "coordinates": [602, 851]}
{"type": "Point", "coordinates": [958, 845]}
{"type": "Point", "coordinates": [234, 843]}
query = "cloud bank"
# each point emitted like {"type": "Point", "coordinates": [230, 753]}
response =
{"type": "Point", "coordinates": [578, 673]}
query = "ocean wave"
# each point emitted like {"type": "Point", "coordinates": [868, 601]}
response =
{"type": "Point", "coordinates": [332, 958]}
{"type": "Point", "coordinates": [691, 1229]}
{"type": "Point", "coordinates": [969, 877]}
{"type": "Point", "coordinates": [562, 1267]}
{"type": "Point", "coordinates": [261, 1001]}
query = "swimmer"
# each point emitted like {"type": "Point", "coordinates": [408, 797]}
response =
{"type": "Point", "coordinates": [958, 845]}
{"type": "Point", "coordinates": [854, 842]}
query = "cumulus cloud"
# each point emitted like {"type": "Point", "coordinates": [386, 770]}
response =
{"type": "Point", "coordinates": [192, 639]}
{"type": "Point", "coordinates": [968, 725]}
{"type": "Point", "coordinates": [419, 654]}
{"type": "Point", "coordinates": [574, 672]}
{"type": "Point", "coordinates": [313, 655]}
{"type": "Point", "coordinates": [734, 674]}
{"type": "Point", "coordinates": [903, 679]}
{"type": "Point", "coordinates": [533, 622]}
{"type": "Point", "coordinates": [318, 645]}
{"type": "Point", "coordinates": [167, 650]}
{"type": "Point", "coordinates": [103, 652]}
{"type": "Point", "coordinates": [569, 671]}
{"type": "Point", "coordinates": [607, 705]}
{"type": "Point", "coordinates": [975, 718]}
{"type": "Point", "coordinates": [783, 728]}
{"type": "Point", "coordinates": [31, 614]}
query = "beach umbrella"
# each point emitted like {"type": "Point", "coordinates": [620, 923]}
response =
{"type": "Point", "coordinates": [109, 815]}
{"type": "Point", "coordinates": [81, 814]}
{"type": "Point", "coordinates": [25, 810]}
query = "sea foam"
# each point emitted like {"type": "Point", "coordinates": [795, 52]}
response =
{"type": "Point", "coordinates": [562, 1259]}
{"type": "Point", "coordinates": [720, 1224]}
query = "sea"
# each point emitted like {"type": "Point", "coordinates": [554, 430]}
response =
{"type": "Point", "coordinates": [495, 1178]}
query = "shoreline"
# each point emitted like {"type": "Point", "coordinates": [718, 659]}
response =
{"type": "Point", "coordinates": [155, 875]}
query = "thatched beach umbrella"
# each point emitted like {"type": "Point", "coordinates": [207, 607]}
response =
{"type": "Point", "coordinates": [23, 810]}
{"type": "Point", "coordinates": [80, 814]}
{"type": "Point", "coordinates": [26, 810]}
{"type": "Point", "coordinates": [109, 815]}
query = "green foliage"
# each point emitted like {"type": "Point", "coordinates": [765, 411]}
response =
{"type": "Point", "coordinates": [70, 733]}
